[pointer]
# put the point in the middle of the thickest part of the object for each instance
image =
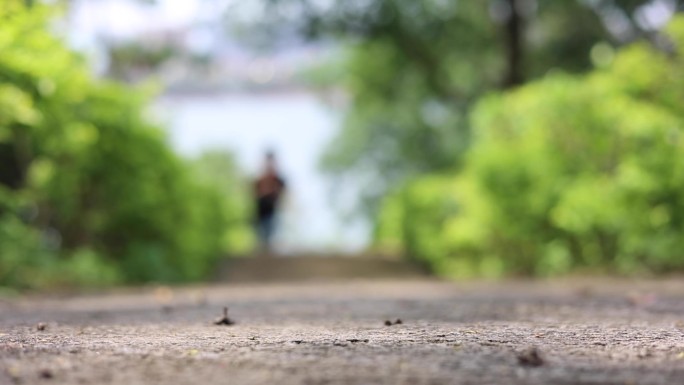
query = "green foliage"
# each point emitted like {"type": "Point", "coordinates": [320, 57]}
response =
{"type": "Point", "coordinates": [411, 76]}
{"type": "Point", "coordinates": [216, 170]}
{"type": "Point", "coordinates": [90, 192]}
{"type": "Point", "coordinates": [566, 173]}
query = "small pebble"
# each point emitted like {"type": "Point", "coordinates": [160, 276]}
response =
{"type": "Point", "coordinates": [46, 373]}
{"type": "Point", "coordinates": [530, 357]}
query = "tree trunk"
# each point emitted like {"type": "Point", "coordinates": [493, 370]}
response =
{"type": "Point", "coordinates": [514, 46]}
{"type": "Point", "coordinates": [10, 173]}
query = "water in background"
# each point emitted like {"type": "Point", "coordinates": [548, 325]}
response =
{"type": "Point", "coordinates": [297, 126]}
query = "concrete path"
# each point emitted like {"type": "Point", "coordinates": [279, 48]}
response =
{"type": "Point", "coordinates": [560, 332]}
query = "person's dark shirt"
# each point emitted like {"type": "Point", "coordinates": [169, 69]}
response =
{"type": "Point", "coordinates": [268, 190]}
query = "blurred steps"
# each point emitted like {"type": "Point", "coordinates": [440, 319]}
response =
{"type": "Point", "coordinates": [315, 268]}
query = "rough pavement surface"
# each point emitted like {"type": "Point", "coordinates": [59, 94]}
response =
{"type": "Point", "coordinates": [559, 332]}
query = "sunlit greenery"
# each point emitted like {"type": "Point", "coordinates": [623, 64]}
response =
{"type": "Point", "coordinates": [90, 192]}
{"type": "Point", "coordinates": [567, 173]}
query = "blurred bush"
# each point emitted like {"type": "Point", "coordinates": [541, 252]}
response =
{"type": "Point", "coordinates": [564, 174]}
{"type": "Point", "coordinates": [90, 192]}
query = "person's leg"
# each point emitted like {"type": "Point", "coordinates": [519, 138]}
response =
{"type": "Point", "coordinates": [260, 229]}
{"type": "Point", "coordinates": [265, 229]}
{"type": "Point", "coordinates": [269, 227]}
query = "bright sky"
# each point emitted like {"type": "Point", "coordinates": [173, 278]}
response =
{"type": "Point", "coordinates": [131, 18]}
{"type": "Point", "coordinates": [201, 22]}
{"type": "Point", "coordinates": [126, 18]}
